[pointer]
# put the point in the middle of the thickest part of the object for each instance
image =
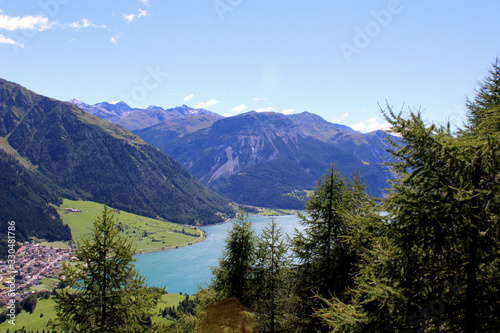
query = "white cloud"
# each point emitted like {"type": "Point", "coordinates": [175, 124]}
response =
{"type": "Point", "coordinates": [288, 111]}
{"type": "Point", "coordinates": [335, 120]}
{"type": "Point", "coordinates": [258, 99]}
{"type": "Point", "coordinates": [85, 24]}
{"type": "Point", "coordinates": [144, 2]}
{"type": "Point", "coordinates": [239, 108]}
{"type": "Point", "coordinates": [39, 23]}
{"type": "Point", "coordinates": [370, 125]}
{"type": "Point", "coordinates": [114, 38]}
{"type": "Point", "coordinates": [5, 40]}
{"type": "Point", "coordinates": [131, 17]}
{"type": "Point", "coordinates": [226, 115]}
{"type": "Point", "coordinates": [188, 97]}
{"type": "Point", "coordinates": [204, 105]}
{"type": "Point", "coordinates": [268, 109]}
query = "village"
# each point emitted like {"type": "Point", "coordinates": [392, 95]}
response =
{"type": "Point", "coordinates": [33, 263]}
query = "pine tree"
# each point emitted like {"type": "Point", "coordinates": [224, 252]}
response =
{"type": "Point", "coordinates": [107, 294]}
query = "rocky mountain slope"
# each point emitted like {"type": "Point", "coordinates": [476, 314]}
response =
{"type": "Point", "coordinates": [270, 159]}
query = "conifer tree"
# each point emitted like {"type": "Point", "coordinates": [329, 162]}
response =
{"type": "Point", "coordinates": [483, 113]}
{"type": "Point", "coordinates": [234, 275]}
{"type": "Point", "coordinates": [272, 275]}
{"type": "Point", "coordinates": [107, 294]}
{"type": "Point", "coordinates": [326, 263]}
{"type": "Point", "coordinates": [435, 265]}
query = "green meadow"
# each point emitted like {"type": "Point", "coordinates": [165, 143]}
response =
{"type": "Point", "coordinates": [276, 212]}
{"type": "Point", "coordinates": [46, 284]}
{"type": "Point", "coordinates": [38, 320]}
{"type": "Point", "coordinates": [147, 234]}
{"type": "Point", "coordinates": [45, 312]}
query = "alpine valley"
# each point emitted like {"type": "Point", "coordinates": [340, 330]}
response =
{"type": "Point", "coordinates": [53, 149]}
{"type": "Point", "coordinates": [257, 159]}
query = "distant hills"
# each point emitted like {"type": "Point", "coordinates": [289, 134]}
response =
{"type": "Point", "coordinates": [269, 159]}
{"type": "Point", "coordinates": [77, 155]}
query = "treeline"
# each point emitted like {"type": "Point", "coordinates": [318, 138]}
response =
{"type": "Point", "coordinates": [186, 306]}
{"type": "Point", "coordinates": [426, 258]}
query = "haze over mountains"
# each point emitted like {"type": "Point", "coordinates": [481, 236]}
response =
{"type": "Point", "coordinates": [74, 154]}
{"type": "Point", "coordinates": [262, 159]}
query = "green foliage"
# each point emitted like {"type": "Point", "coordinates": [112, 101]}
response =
{"type": "Point", "coordinates": [326, 261]}
{"type": "Point", "coordinates": [483, 112]}
{"type": "Point", "coordinates": [110, 296]}
{"type": "Point", "coordinates": [434, 265]}
{"type": "Point", "coordinates": [185, 307]}
{"type": "Point", "coordinates": [272, 275]}
{"type": "Point", "coordinates": [29, 303]}
{"type": "Point", "coordinates": [234, 274]}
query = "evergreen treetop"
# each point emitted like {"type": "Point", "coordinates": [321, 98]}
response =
{"type": "Point", "coordinates": [107, 294]}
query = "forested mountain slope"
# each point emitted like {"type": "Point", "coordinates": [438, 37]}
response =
{"type": "Point", "coordinates": [103, 162]}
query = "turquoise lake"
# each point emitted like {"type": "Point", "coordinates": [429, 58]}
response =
{"type": "Point", "coordinates": [184, 269]}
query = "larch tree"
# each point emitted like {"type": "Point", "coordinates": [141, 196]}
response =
{"type": "Point", "coordinates": [483, 113]}
{"type": "Point", "coordinates": [325, 261]}
{"type": "Point", "coordinates": [105, 292]}
{"type": "Point", "coordinates": [234, 275]}
{"type": "Point", "coordinates": [272, 273]}
{"type": "Point", "coordinates": [435, 265]}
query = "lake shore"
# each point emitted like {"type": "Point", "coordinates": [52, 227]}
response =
{"type": "Point", "coordinates": [201, 238]}
{"type": "Point", "coordinates": [204, 234]}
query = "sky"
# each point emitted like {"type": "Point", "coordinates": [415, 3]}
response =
{"type": "Point", "coordinates": [343, 60]}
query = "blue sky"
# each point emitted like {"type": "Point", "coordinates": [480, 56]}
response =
{"type": "Point", "coordinates": [338, 59]}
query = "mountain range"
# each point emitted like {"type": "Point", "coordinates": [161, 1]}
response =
{"type": "Point", "coordinates": [53, 149]}
{"type": "Point", "coordinates": [262, 159]}
{"type": "Point", "coordinates": [133, 119]}
{"type": "Point", "coordinates": [74, 154]}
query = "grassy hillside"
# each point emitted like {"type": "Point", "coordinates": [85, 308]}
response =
{"type": "Point", "coordinates": [147, 234]}
{"type": "Point", "coordinates": [44, 312]}
{"type": "Point", "coordinates": [37, 320]}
